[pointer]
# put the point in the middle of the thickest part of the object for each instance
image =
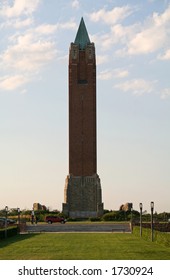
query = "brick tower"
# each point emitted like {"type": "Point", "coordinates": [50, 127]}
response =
{"type": "Point", "coordinates": [82, 194]}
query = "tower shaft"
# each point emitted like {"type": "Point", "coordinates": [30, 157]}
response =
{"type": "Point", "coordinates": [82, 111]}
{"type": "Point", "coordinates": [82, 194]}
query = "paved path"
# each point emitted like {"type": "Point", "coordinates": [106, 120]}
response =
{"type": "Point", "coordinates": [82, 227]}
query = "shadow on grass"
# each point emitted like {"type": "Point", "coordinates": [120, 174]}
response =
{"type": "Point", "coordinates": [17, 238]}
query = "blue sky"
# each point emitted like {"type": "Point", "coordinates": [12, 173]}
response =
{"type": "Point", "coordinates": [132, 40]}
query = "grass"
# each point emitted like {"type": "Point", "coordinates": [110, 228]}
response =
{"type": "Point", "coordinates": [81, 246]}
{"type": "Point", "coordinates": [161, 238]}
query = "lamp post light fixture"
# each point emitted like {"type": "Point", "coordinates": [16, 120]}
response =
{"type": "Point", "coordinates": [6, 224]}
{"type": "Point", "coordinates": [152, 208]}
{"type": "Point", "coordinates": [6, 210]}
{"type": "Point", "coordinates": [140, 206]}
{"type": "Point", "coordinates": [18, 210]}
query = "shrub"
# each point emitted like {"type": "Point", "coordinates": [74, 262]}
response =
{"type": "Point", "coordinates": [94, 219]}
{"type": "Point", "coordinates": [10, 232]}
{"type": "Point", "coordinates": [112, 216]}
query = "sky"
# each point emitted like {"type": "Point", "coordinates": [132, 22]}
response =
{"type": "Point", "coordinates": [132, 40]}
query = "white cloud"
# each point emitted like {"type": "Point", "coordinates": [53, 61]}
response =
{"type": "Point", "coordinates": [29, 53]}
{"type": "Point", "coordinates": [115, 73]}
{"type": "Point", "coordinates": [165, 93]}
{"type": "Point", "coordinates": [19, 7]}
{"type": "Point", "coordinates": [105, 75]}
{"type": "Point", "coordinates": [138, 38]}
{"type": "Point", "coordinates": [28, 50]}
{"type": "Point", "coordinates": [111, 17]}
{"type": "Point", "coordinates": [121, 33]}
{"type": "Point", "coordinates": [75, 4]}
{"type": "Point", "coordinates": [33, 49]}
{"type": "Point", "coordinates": [17, 23]}
{"type": "Point", "coordinates": [136, 86]}
{"type": "Point", "coordinates": [103, 41]}
{"type": "Point", "coordinates": [147, 41]}
{"type": "Point", "coordinates": [117, 34]}
{"type": "Point", "coordinates": [51, 28]}
{"type": "Point", "coordinates": [46, 29]}
{"type": "Point", "coordinates": [12, 82]}
{"type": "Point", "coordinates": [67, 25]}
{"type": "Point", "coordinates": [121, 73]}
{"type": "Point", "coordinates": [165, 56]}
{"type": "Point", "coordinates": [23, 23]}
{"type": "Point", "coordinates": [102, 59]}
{"type": "Point", "coordinates": [154, 34]}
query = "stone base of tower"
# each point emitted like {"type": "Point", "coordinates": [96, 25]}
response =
{"type": "Point", "coordinates": [82, 197]}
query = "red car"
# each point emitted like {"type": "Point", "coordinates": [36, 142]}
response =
{"type": "Point", "coordinates": [55, 219]}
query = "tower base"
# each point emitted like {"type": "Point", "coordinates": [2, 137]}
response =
{"type": "Point", "coordinates": [82, 197]}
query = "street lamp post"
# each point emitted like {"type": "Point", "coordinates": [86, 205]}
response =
{"type": "Point", "coordinates": [132, 218]}
{"type": "Point", "coordinates": [6, 224]}
{"type": "Point", "coordinates": [152, 207]}
{"type": "Point", "coordinates": [18, 209]}
{"type": "Point", "coordinates": [140, 206]}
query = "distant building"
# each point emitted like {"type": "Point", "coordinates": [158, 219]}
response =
{"type": "Point", "coordinates": [126, 207]}
{"type": "Point", "coordinates": [38, 207]}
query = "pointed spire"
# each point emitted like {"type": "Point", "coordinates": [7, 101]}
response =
{"type": "Point", "coordinates": [82, 37]}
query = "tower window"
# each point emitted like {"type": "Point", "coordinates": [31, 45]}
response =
{"type": "Point", "coordinates": [74, 54]}
{"type": "Point", "coordinates": [82, 82]}
{"type": "Point", "coordinates": [90, 53]}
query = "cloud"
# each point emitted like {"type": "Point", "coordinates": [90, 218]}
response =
{"type": "Point", "coordinates": [51, 28]}
{"type": "Point", "coordinates": [18, 8]}
{"type": "Point", "coordinates": [118, 34]}
{"type": "Point", "coordinates": [75, 4]}
{"type": "Point", "coordinates": [147, 41]}
{"type": "Point", "coordinates": [165, 93]}
{"type": "Point", "coordinates": [111, 17]}
{"type": "Point", "coordinates": [29, 53]}
{"type": "Point", "coordinates": [67, 25]}
{"type": "Point", "coordinates": [44, 29]}
{"type": "Point", "coordinates": [12, 82]}
{"type": "Point", "coordinates": [102, 59]}
{"type": "Point", "coordinates": [136, 86]}
{"type": "Point", "coordinates": [154, 34]}
{"type": "Point", "coordinates": [30, 47]}
{"type": "Point", "coordinates": [115, 73]}
{"type": "Point", "coordinates": [135, 39]}
{"type": "Point", "coordinates": [105, 75]}
{"type": "Point", "coordinates": [17, 23]}
{"type": "Point", "coordinates": [121, 73]}
{"type": "Point", "coordinates": [33, 49]}
{"type": "Point", "coordinates": [165, 56]}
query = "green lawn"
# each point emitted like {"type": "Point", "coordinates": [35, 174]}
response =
{"type": "Point", "coordinates": [81, 246]}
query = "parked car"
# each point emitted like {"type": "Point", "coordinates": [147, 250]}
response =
{"type": "Point", "coordinates": [2, 222]}
{"type": "Point", "coordinates": [55, 219]}
{"type": "Point", "coordinates": [9, 221]}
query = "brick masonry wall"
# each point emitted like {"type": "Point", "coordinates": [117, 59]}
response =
{"type": "Point", "coordinates": [82, 115]}
{"type": "Point", "coordinates": [82, 193]}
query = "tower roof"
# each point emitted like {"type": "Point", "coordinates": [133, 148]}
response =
{"type": "Point", "coordinates": [82, 37]}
